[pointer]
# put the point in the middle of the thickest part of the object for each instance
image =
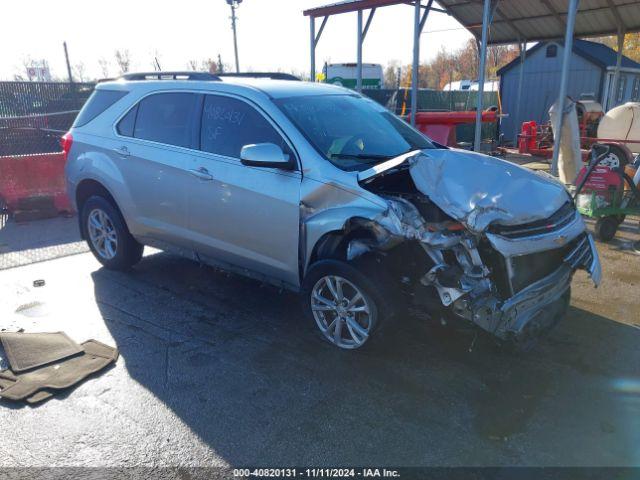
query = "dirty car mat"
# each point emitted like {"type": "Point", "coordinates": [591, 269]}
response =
{"type": "Point", "coordinates": [29, 350]}
{"type": "Point", "coordinates": [58, 375]}
{"type": "Point", "coordinates": [7, 379]}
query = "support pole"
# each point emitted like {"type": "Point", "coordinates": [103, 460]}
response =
{"type": "Point", "coordinates": [616, 73]}
{"type": "Point", "coordinates": [312, 30]}
{"type": "Point", "coordinates": [359, 54]}
{"type": "Point", "coordinates": [523, 56]}
{"type": "Point", "coordinates": [564, 80]}
{"type": "Point", "coordinates": [483, 61]}
{"type": "Point", "coordinates": [66, 58]}
{"type": "Point", "coordinates": [416, 62]}
{"type": "Point", "coordinates": [235, 37]}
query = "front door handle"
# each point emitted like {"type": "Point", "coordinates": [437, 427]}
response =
{"type": "Point", "coordinates": [202, 173]}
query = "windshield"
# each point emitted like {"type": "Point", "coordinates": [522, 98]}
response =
{"type": "Point", "coordinates": [350, 131]}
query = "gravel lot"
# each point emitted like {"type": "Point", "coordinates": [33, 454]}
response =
{"type": "Point", "coordinates": [220, 370]}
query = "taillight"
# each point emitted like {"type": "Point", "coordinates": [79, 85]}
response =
{"type": "Point", "coordinates": [65, 142]}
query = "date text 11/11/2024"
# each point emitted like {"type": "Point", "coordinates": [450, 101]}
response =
{"type": "Point", "coordinates": [316, 473]}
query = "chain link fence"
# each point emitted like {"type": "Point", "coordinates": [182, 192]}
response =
{"type": "Point", "coordinates": [33, 115]}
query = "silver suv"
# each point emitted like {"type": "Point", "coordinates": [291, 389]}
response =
{"type": "Point", "coordinates": [317, 189]}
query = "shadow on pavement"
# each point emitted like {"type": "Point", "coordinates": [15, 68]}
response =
{"type": "Point", "coordinates": [238, 364]}
{"type": "Point", "coordinates": [39, 240]}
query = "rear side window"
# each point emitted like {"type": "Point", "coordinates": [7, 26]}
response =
{"type": "Point", "coordinates": [98, 102]}
{"type": "Point", "coordinates": [125, 126]}
{"type": "Point", "coordinates": [166, 118]}
{"type": "Point", "coordinates": [229, 124]}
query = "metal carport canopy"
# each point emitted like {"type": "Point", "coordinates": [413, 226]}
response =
{"type": "Point", "coordinates": [514, 21]}
{"type": "Point", "coordinates": [498, 22]}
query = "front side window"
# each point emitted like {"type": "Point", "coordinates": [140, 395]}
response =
{"type": "Point", "coordinates": [228, 124]}
{"type": "Point", "coordinates": [167, 118]}
{"type": "Point", "coordinates": [350, 131]}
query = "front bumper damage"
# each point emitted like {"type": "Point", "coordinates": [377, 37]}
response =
{"type": "Point", "coordinates": [508, 283]}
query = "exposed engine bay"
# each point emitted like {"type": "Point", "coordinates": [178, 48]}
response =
{"type": "Point", "coordinates": [506, 268]}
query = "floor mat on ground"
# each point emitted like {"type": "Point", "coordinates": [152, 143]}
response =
{"type": "Point", "coordinates": [30, 350]}
{"type": "Point", "coordinates": [34, 385]}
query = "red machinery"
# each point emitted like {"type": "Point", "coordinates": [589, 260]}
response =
{"type": "Point", "coordinates": [441, 126]}
{"type": "Point", "coordinates": [537, 140]}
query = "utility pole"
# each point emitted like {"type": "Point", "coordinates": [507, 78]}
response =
{"type": "Point", "coordinates": [234, 4]}
{"type": "Point", "coordinates": [66, 56]}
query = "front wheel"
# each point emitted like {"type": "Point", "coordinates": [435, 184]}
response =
{"type": "Point", "coordinates": [343, 303]}
{"type": "Point", "coordinates": [108, 236]}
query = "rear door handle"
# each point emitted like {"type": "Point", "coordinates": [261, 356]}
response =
{"type": "Point", "coordinates": [123, 151]}
{"type": "Point", "coordinates": [202, 173]}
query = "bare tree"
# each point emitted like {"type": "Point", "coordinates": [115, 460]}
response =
{"type": "Point", "coordinates": [27, 63]}
{"type": "Point", "coordinates": [156, 59]}
{"type": "Point", "coordinates": [192, 65]}
{"type": "Point", "coordinates": [104, 67]}
{"type": "Point", "coordinates": [391, 74]}
{"type": "Point", "coordinates": [79, 70]}
{"type": "Point", "coordinates": [209, 65]}
{"type": "Point", "coordinates": [123, 59]}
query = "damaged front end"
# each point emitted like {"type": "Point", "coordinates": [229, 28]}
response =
{"type": "Point", "coordinates": [500, 243]}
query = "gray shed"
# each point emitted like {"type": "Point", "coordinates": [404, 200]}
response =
{"type": "Point", "coordinates": [591, 73]}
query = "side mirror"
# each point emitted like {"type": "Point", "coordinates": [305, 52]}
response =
{"type": "Point", "coordinates": [267, 155]}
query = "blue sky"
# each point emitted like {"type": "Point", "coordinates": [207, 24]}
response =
{"type": "Point", "coordinates": [272, 34]}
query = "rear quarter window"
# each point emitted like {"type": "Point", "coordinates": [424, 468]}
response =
{"type": "Point", "coordinates": [126, 125]}
{"type": "Point", "coordinates": [98, 102]}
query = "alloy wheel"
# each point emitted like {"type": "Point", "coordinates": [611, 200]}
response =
{"type": "Point", "coordinates": [102, 233]}
{"type": "Point", "coordinates": [342, 311]}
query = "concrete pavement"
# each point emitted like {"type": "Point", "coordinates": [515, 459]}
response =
{"type": "Point", "coordinates": [216, 370]}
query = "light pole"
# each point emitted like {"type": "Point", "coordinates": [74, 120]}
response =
{"type": "Point", "coordinates": [234, 4]}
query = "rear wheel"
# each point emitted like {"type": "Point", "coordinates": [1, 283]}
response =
{"type": "Point", "coordinates": [606, 227]}
{"type": "Point", "coordinates": [108, 236]}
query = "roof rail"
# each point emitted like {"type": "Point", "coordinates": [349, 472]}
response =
{"type": "Point", "coordinates": [271, 75]}
{"type": "Point", "coordinates": [170, 76]}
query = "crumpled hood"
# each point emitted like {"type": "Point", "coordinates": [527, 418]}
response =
{"type": "Point", "coordinates": [478, 190]}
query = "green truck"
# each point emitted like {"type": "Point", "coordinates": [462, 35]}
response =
{"type": "Point", "coordinates": [344, 74]}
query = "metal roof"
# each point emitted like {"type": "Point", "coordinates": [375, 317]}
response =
{"type": "Point", "coordinates": [535, 20]}
{"type": "Point", "coordinates": [595, 52]}
{"type": "Point", "coordinates": [518, 20]}
{"type": "Point", "coordinates": [349, 6]}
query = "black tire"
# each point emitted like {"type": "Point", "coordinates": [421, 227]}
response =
{"type": "Point", "coordinates": [606, 228]}
{"type": "Point", "coordinates": [379, 310]}
{"type": "Point", "coordinates": [128, 251]}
